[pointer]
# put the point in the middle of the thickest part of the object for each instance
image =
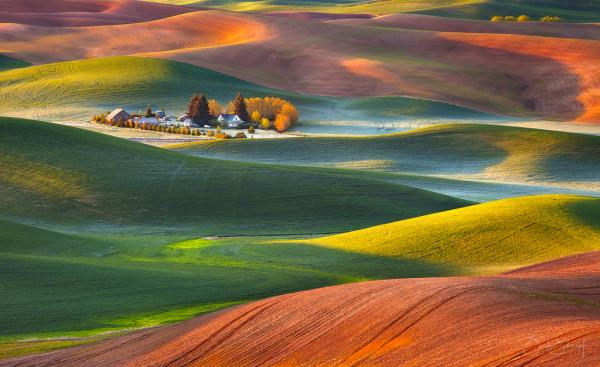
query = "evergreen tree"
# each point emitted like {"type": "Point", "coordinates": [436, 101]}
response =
{"type": "Point", "coordinates": [198, 109]}
{"type": "Point", "coordinates": [204, 110]}
{"type": "Point", "coordinates": [193, 111]}
{"type": "Point", "coordinates": [239, 108]}
{"type": "Point", "coordinates": [148, 112]}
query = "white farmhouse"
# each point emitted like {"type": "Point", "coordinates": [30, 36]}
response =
{"type": "Point", "coordinates": [230, 119]}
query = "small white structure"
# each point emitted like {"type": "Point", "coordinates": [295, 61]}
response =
{"type": "Point", "coordinates": [118, 115]}
{"type": "Point", "coordinates": [160, 114]}
{"type": "Point", "coordinates": [146, 120]}
{"type": "Point", "coordinates": [231, 120]}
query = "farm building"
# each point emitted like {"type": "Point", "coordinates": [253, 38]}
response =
{"type": "Point", "coordinates": [118, 115]}
{"type": "Point", "coordinates": [230, 119]}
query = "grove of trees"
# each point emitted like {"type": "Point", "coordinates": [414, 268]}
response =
{"type": "Point", "coordinates": [522, 18]}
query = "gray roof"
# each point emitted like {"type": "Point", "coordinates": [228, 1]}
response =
{"type": "Point", "coordinates": [115, 113]}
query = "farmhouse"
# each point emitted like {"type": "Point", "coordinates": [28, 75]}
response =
{"type": "Point", "coordinates": [118, 115]}
{"type": "Point", "coordinates": [230, 119]}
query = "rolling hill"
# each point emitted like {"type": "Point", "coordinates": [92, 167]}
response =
{"type": "Point", "coordinates": [543, 318]}
{"type": "Point", "coordinates": [155, 278]}
{"type": "Point", "coordinates": [7, 63]}
{"type": "Point", "coordinates": [571, 11]}
{"type": "Point", "coordinates": [57, 175]}
{"type": "Point", "coordinates": [78, 13]}
{"type": "Point", "coordinates": [460, 151]}
{"type": "Point", "coordinates": [497, 73]}
{"type": "Point", "coordinates": [75, 90]}
{"type": "Point", "coordinates": [504, 233]}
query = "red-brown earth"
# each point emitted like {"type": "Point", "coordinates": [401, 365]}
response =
{"type": "Point", "coordinates": [77, 13]}
{"type": "Point", "coordinates": [542, 72]}
{"type": "Point", "coordinates": [542, 315]}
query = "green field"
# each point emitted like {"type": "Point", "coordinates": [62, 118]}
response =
{"type": "Point", "coordinates": [100, 234]}
{"type": "Point", "coordinates": [7, 63]}
{"type": "Point", "coordinates": [60, 176]}
{"type": "Point", "coordinates": [571, 11]}
{"type": "Point", "coordinates": [76, 90]}
{"type": "Point", "coordinates": [465, 151]}
{"type": "Point", "coordinates": [81, 285]}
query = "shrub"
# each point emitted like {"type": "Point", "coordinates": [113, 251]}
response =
{"type": "Point", "coordinates": [497, 18]}
{"type": "Point", "coordinates": [265, 123]}
{"type": "Point", "coordinates": [510, 18]}
{"type": "Point", "coordinates": [240, 135]}
{"type": "Point", "coordinates": [523, 18]}
{"type": "Point", "coordinates": [251, 130]}
{"type": "Point", "coordinates": [222, 136]}
{"type": "Point", "coordinates": [210, 133]}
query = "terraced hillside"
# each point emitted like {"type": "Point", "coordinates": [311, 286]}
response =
{"type": "Point", "coordinates": [464, 151]}
{"type": "Point", "coordinates": [56, 175]}
{"type": "Point", "coordinates": [75, 90]}
{"type": "Point", "coordinates": [498, 73]}
{"type": "Point", "coordinates": [541, 317]}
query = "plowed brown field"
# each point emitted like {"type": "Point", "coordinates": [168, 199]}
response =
{"type": "Point", "coordinates": [543, 315]}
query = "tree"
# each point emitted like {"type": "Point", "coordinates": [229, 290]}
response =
{"type": "Point", "coordinates": [510, 18]}
{"type": "Point", "coordinates": [290, 111]}
{"type": "Point", "coordinates": [193, 110]}
{"type": "Point", "coordinates": [265, 124]}
{"type": "Point", "coordinates": [198, 110]}
{"type": "Point", "coordinates": [497, 18]}
{"type": "Point", "coordinates": [523, 18]}
{"type": "Point", "coordinates": [255, 116]}
{"type": "Point", "coordinates": [239, 108]}
{"type": "Point", "coordinates": [251, 130]}
{"type": "Point", "coordinates": [282, 123]}
{"type": "Point", "coordinates": [148, 112]}
{"type": "Point", "coordinates": [214, 107]}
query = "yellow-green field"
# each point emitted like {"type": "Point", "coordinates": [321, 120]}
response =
{"type": "Point", "coordinates": [489, 237]}
{"type": "Point", "coordinates": [73, 91]}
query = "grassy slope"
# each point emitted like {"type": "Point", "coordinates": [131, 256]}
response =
{"type": "Point", "coordinates": [133, 281]}
{"type": "Point", "coordinates": [76, 89]}
{"type": "Point", "coordinates": [572, 11]}
{"type": "Point", "coordinates": [496, 153]}
{"type": "Point", "coordinates": [65, 176]}
{"type": "Point", "coordinates": [124, 204]}
{"type": "Point", "coordinates": [486, 237]}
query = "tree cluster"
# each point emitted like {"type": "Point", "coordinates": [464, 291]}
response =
{"type": "Point", "coordinates": [522, 18]}
{"type": "Point", "coordinates": [272, 111]}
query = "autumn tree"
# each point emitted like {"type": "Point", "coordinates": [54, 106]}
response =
{"type": "Point", "coordinates": [282, 123]}
{"type": "Point", "coordinates": [214, 107]}
{"type": "Point", "coordinates": [255, 116]}
{"type": "Point", "coordinates": [239, 108]}
{"type": "Point", "coordinates": [265, 124]}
